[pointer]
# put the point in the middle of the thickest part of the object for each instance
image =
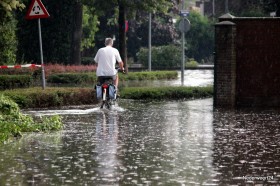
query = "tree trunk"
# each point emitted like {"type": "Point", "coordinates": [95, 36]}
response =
{"type": "Point", "coordinates": [77, 34]}
{"type": "Point", "coordinates": [122, 34]}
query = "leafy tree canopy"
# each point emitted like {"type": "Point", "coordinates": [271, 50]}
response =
{"type": "Point", "coordinates": [8, 40]}
{"type": "Point", "coordinates": [132, 5]}
{"type": "Point", "coordinates": [200, 38]}
{"type": "Point", "coordinates": [9, 5]}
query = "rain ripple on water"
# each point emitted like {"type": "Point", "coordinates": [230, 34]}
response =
{"type": "Point", "coordinates": [142, 143]}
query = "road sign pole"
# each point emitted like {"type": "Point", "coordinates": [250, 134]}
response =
{"type": "Point", "coordinates": [183, 59]}
{"type": "Point", "coordinates": [150, 42]}
{"type": "Point", "coordinates": [183, 50]}
{"type": "Point", "coordinates": [184, 27]}
{"type": "Point", "coordinates": [41, 52]}
{"type": "Point", "coordinates": [37, 11]}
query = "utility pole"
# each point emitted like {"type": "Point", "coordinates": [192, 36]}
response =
{"type": "Point", "coordinates": [41, 54]}
{"type": "Point", "coordinates": [226, 6]}
{"type": "Point", "coordinates": [213, 9]}
{"type": "Point", "coordinates": [202, 5]}
{"type": "Point", "coordinates": [183, 51]}
{"type": "Point", "coordinates": [150, 42]}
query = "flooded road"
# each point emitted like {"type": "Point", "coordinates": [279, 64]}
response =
{"type": "Point", "coordinates": [149, 143]}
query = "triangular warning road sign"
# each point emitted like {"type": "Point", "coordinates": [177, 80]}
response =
{"type": "Point", "coordinates": [37, 10]}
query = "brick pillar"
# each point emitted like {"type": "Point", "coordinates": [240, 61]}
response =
{"type": "Point", "coordinates": [225, 65]}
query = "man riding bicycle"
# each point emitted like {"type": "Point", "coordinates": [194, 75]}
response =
{"type": "Point", "coordinates": [105, 59]}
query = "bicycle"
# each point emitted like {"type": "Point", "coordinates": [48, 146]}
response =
{"type": "Point", "coordinates": [106, 91]}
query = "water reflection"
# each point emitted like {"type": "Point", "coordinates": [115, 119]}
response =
{"type": "Point", "coordinates": [166, 146]}
{"type": "Point", "coordinates": [107, 132]}
{"type": "Point", "coordinates": [144, 143]}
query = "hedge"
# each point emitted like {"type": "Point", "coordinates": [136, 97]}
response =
{"type": "Point", "coordinates": [72, 78]}
{"type": "Point", "coordinates": [51, 97]}
{"type": "Point", "coordinates": [173, 93]}
{"type": "Point", "coordinates": [27, 80]}
{"type": "Point", "coordinates": [15, 81]}
{"type": "Point", "coordinates": [55, 97]}
{"type": "Point", "coordinates": [86, 78]}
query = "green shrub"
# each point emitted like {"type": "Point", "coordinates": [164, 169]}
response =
{"type": "Point", "coordinates": [51, 97]}
{"type": "Point", "coordinates": [19, 71]}
{"type": "Point", "coordinates": [191, 63]}
{"type": "Point", "coordinates": [90, 78]}
{"type": "Point", "coordinates": [8, 39]}
{"type": "Point", "coordinates": [72, 78]}
{"type": "Point", "coordinates": [13, 122]}
{"type": "Point", "coordinates": [7, 106]}
{"type": "Point", "coordinates": [166, 92]}
{"type": "Point", "coordinates": [163, 57]}
{"type": "Point", "coordinates": [15, 81]}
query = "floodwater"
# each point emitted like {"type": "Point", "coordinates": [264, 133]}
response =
{"type": "Point", "coordinates": [149, 143]}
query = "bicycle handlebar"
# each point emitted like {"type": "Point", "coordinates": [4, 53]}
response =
{"type": "Point", "coordinates": [121, 70]}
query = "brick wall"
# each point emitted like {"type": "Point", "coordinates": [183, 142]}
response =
{"type": "Point", "coordinates": [225, 66]}
{"type": "Point", "coordinates": [257, 51]}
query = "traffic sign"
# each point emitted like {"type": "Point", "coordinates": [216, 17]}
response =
{"type": "Point", "coordinates": [184, 25]}
{"type": "Point", "coordinates": [37, 10]}
{"type": "Point", "coordinates": [184, 13]}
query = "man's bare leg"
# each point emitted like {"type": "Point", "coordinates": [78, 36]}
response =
{"type": "Point", "coordinates": [116, 81]}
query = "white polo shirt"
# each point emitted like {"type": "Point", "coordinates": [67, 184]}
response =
{"type": "Point", "coordinates": [106, 58]}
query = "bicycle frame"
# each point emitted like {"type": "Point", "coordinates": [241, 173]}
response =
{"type": "Point", "coordinates": [106, 82]}
{"type": "Point", "coordinates": [104, 92]}
{"type": "Point", "coordinates": [106, 100]}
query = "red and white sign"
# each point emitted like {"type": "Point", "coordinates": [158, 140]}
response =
{"type": "Point", "coordinates": [20, 66]}
{"type": "Point", "coordinates": [37, 10]}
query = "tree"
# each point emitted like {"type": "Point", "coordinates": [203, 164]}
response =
{"type": "Point", "coordinates": [56, 33]}
{"type": "Point", "coordinates": [7, 6]}
{"type": "Point", "coordinates": [255, 8]}
{"type": "Point", "coordinates": [90, 23]}
{"type": "Point", "coordinates": [200, 38]}
{"type": "Point", "coordinates": [77, 33]}
{"type": "Point", "coordinates": [164, 57]}
{"type": "Point", "coordinates": [70, 29]}
{"type": "Point", "coordinates": [272, 6]}
{"type": "Point", "coordinates": [127, 8]}
{"type": "Point", "coordinates": [163, 31]}
{"type": "Point", "coordinates": [8, 40]}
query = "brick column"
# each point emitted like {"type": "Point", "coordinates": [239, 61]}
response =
{"type": "Point", "coordinates": [225, 65]}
